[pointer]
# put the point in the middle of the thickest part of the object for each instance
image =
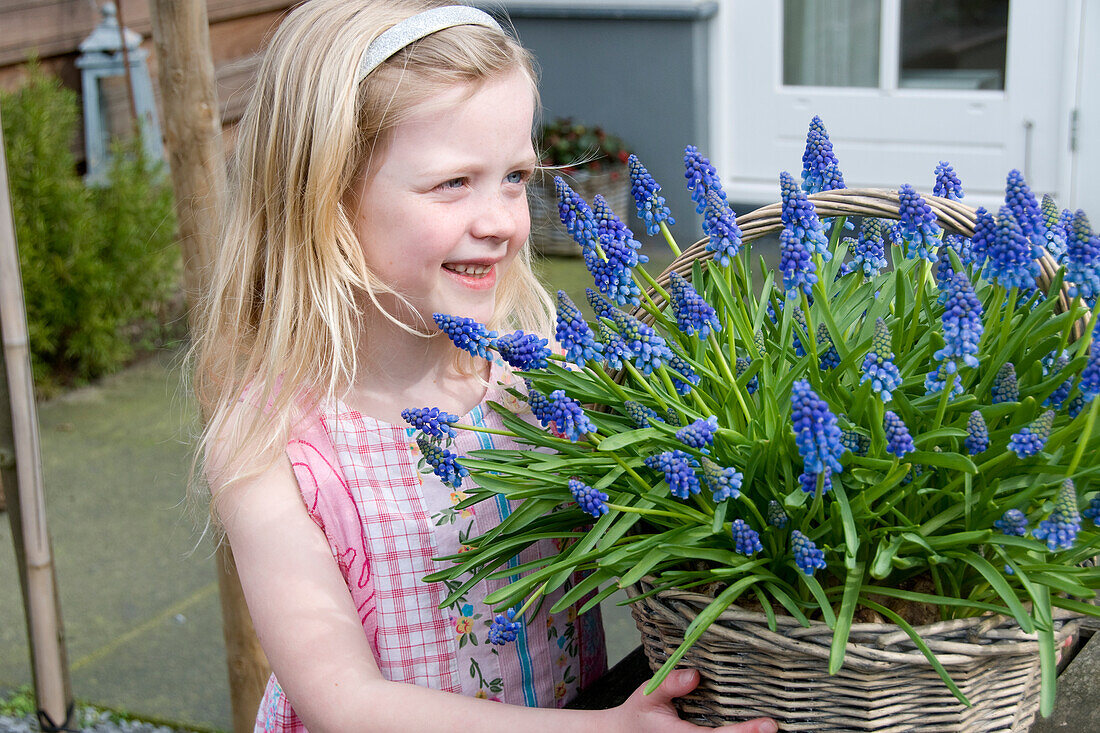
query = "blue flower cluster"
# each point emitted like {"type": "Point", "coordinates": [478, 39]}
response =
{"type": "Point", "coordinates": [855, 442]}
{"type": "Point", "coordinates": [977, 434]}
{"type": "Point", "coordinates": [615, 350]}
{"type": "Point", "coordinates": [467, 334]}
{"type": "Point", "coordinates": [947, 183]}
{"type": "Point", "coordinates": [1010, 262]}
{"type": "Point", "coordinates": [869, 252]}
{"type": "Point", "coordinates": [651, 206]}
{"type": "Point", "coordinates": [1082, 260]}
{"type": "Point", "coordinates": [797, 265]}
{"type": "Point", "coordinates": [1005, 386]}
{"type": "Point", "coordinates": [575, 214]}
{"type": "Point", "coordinates": [1032, 438]}
{"type": "Point", "coordinates": [1061, 528]}
{"type": "Point", "coordinates": [962, 324]}
{"type": "Point", "coordinates": [1057, 231]}
{"type": "Point", "coordinates": [916, 228]}
{"type": "Point", "coordinates": [776, 516]}
{"type": "Point", "coordinates": [720, 226]}
{"type": "Point", "coordinates": [1061, 392]}
{"type": "Point", "coordinates": [820, 166]}
{"type": "Point", "coordinates": [985, 234]}
{"type": "Point", "coordinates": [607, 245]}
{"type": "Point", "coordinates": [678, 469]}
{"type": "Point", "coordinates": [639, 414]}
{"type": "Point", "coordinates": [723, 482]}
{"type": "Point", "coordinates": [742, 366]}
{"type": "Point", "coordinates": [1025, 209]}
{"type": "Point", "coordinates": [574, 334]}
{"type": "Point", "coordinates": [647, 348]}
{"type": "Point", "coordinates": [444, 463]}
{"type": "Point", "coordinates": [1093, 510]}
{"type": "Point", "coordinates": [563, 411]}
{"type": "Point", "coordinates": [898, 440]}
{"type": "Point", "coordinates": [683, 377]}
{"type": "Point", "coordinates": [936, 381]}
{"type": "Point", "coordinates": [828, 357]}
{"type": "Point", "coordinates": [878, 366]}
{"type": "Point", "coordinates": [699, 434]}
{"type": "Point", "coordinates": [523, 351]}
{"type": "Point", "coordinates": [600, 305]}
{"type": "Point", "coordinates": [746, 540]}
{"type": "Point", "coordinates": [1089, 386]}
{"type": "Point", "coordinates": [504, 628]}
{"type": "Point", "coordinates": [799, 216]}
{"type": "Point", "coordinates": [431, 420]}
{"type": "Point", "coordinates": [945, 268]}
{"type": "Point", "coordinates": [806, 555]}
{"type": "Point", "coordinates": [1013, 522]}
{"type": "Point", "coordinates": [693, 314]}
{"type": "Point", "coordinates": [701, 178]}
{"type": "Point", "coordinates": [590, 500]}
{"type": "Point", "coordinates": [815, 431]}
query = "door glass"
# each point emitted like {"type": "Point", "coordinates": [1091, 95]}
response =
{"type": "Point", "coordinates": [953, 44]}
{"type": "Point", "coordinates": [831, 43]}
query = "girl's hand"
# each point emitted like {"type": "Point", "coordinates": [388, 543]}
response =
{"type": "Point", "coordinates": [655, 712]}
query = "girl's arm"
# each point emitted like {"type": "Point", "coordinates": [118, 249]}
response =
{"type": "Point", "coordinates": [309, 628]}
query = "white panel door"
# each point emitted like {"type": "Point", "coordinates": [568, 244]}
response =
{"type": "Point", "coordinates": [900, 85]}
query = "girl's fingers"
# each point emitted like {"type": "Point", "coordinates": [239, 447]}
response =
{"type": "Point", "coordinates": [682, 682]}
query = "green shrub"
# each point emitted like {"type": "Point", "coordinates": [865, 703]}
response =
{"type": "Point", "coordinates": [97, 263]}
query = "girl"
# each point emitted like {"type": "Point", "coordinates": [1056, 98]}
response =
{"type": "Point", "coordinates": [380, 178]}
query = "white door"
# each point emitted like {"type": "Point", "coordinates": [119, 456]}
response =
{"type": "Point", "coordinates": [900, 85]}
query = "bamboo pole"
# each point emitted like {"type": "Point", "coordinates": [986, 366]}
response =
{"type": "Point", "coordinates": [193, 139]}
{"type": "Point", "coordinates": [22, 479]}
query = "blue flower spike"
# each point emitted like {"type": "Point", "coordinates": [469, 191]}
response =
{"type": "Point", "coordinates": [1032, 438]}
{"type": "Point", "coordinates": [917, 228]}
{"type": "Point", "coordinates": [829, 358]}
{"type": "Point", "coordinates": [799, 216]}
{"type": "Point", "coordinates": [855, 442]}
{"type": "Point", "coordinates": [898, 440]}
{"type": "Point", "coordinates": [694, 316]}
{"type": "Point", "coordinates": [504, 628]}
{"type": "Point", "coordinates": [1093, 510]}
{"type": "Point", "coordinates": [776, 516]}
{"type": "Point", "coordinates": [806, 555]}
{"type": "Point", "coordinates": [723, 482]}
{"type": "Point", "coordinates": [1082, 259]}
{"type": "Point", "coordinates": [701, 178]}
{"type": "Point", "coordinates": [575, 214]}
{"type": "Point", "coordinates": [1089, 386]}
{"type": "Point", "coordinates": [564, 412]}
{"type": "Point", "coordinates": [869, 251]}
{"type": "Point", "coordinates": [431, 420]}
{"type": "Point", "coordinates": [640, 415]}
{"type": "Point", "coordinates": [1057, 233]}
{"type": "Point", "coordinates": [444, 463]}
{"type": "Point", "coordinates": [746, 540]}
{"type": "Point", "coordinates": [601, 306]}
{"type": "Point", "coordinates": [651, 205]}
{"type": "Point", "coordinates": [684, 377]}
{"type": "Point", "coordinates": [720, 226]}
{"type": "Point", "coordinates": [1061, 528]}
{"type": "Point", "coordinates": [699, 434]}
{"type": "Point", "coordinates": [1013, 522]}
{"type": "Point", "coordinates": [815, 430]}
{"type": "Point", "coordinates": [590, 500]}
{"type": "Point", "coordinates": [947, 184]}
{"type": "Point", "coordinates": [574, 334]}
{"type": "Point", "coordinates": [523, 351]}
{"type": "Point", "coordinates": [1005, 386]}
{"type": "Point", "coordinates": [819, 163]}
{"type": "Point", "coordinates": [962, 324]}
{"type": "Point", "coordinates": [647, 347]}
{"type": "Point", "coordinates": [742, 365]}
{"type": "Point", "coordinates": [1010, 263]}
{"type": "Point", "coordinates": [977, 434]}
{"type": "Point", "coordinates": [985, 235]}
{"type": "Point", "coordinates": [1025, 209]}
{"type": "Point", "coordinates": [467, 334]}
{"type": "Point", "coordinates": [678, 468]}
{"type": "Point", "coordinates": [878, 366]}
{"type": "Point", "coordinates": [1061, 392]}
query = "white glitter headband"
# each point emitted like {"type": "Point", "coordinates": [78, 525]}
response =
{"type": "Point", "coordinates": [416, 27]}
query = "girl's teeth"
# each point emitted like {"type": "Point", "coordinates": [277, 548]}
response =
{"type": "Point", "coordinates": [472, 270]}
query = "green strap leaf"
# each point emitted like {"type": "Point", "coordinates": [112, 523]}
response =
{"type": "Point", "coordinates": [852, 585]}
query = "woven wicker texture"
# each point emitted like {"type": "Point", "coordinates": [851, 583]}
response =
{"type": "Point", "coordinates": [548, 235]}
{"type": "Point", "coordinates": [885, 685]}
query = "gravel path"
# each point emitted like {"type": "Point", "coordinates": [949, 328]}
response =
{"type": "Point", "coordinates": [95, 721]}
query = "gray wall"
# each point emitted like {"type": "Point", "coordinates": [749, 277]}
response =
{"type": "Point", "coordinates": [639, 69]}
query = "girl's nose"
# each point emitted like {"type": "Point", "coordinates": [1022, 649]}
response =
{"type": "Point", "coordinates": [498, 217]}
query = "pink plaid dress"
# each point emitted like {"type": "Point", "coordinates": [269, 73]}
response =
{"type": "Point", "coordinates": [385, 520]}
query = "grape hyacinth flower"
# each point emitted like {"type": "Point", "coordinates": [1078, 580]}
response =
{"type": "Point", "coordinates": [1089, 386]}
{"type": "Point", "coordinates": [936, 381]}
{"type": "Point", "coordinates": [947, 184]}
{"type": "Point", "coordinates": [672, 418]}
{"type": "Point", "coordinates": [743, 365]}
{"type": "Point", "coordinates": [985, 234]}
{"type": "Point", "coordinates": [1061, 392]}
{"type": "Point", "coordinates": [600, 305]}
{"type": "Point", "coordinates": [854, 441]}
{"type": "Point", "coordinates": [639, 414]}
{"type": "Point", "coordinates": [615, 350]}
{"type": "Point", "coordinates": [817, 158]}
{"type": "Point", "coordinates": [610, 226]}
{"type": "Point", "coordinates": [467, 334]}
{"type": "Point", "coordinates": [563, 411]}
{"type": "Point", "coordinates": [678, 469]}
{"type": "Point", "coordinates": [977, 434]}
{"type": "Point", "coordinates": [945, 268]}
{"type": "Point", "coordinates": [815, 430]}
{"type": "Point", "coordinates": [724, 483]}
{"type": "Point", "coordinates": [1082, 260]}
{"type": "Point", "coordinates": [700, 434]}
{"type": "Point", "coordinates": [613, 275]}
{"type": "Point", "coordinates": [574, 334]}
{"type": "Point", "coordinates": [1061, 528]}
{"type": "Point", "coordinates": [1013, 522]}
{"type": "Point", "coordinates": [1056, 232]}
{"type": "Point", "coordinates": [1025, 209]}
{"type": "Point", "coordinates": [776, 516]}
{"type": "Point", "coordinates": [588, 499]}
{"type": "Point", "coordinates": [504, 628]}
{"type": "Point", "coordinates": [829, 358]}
{"type": "Point", "coordinates": [898, 440]}
{"type": "Point", "coordinates": [444, 463]}
{"type": "Point", "coordinates": [693, 314]}
{"type": "Point", "coordinates": [746, 540]}
{"type": "Point", "coordinates": [869, 252]}
{"type": "Point", "coordinates": [878, 366]}
{"type": "Point", "coordinates": [683, 376]}
{"type": "Point", "coordinates": [796, 264]}
{"type": "Point", "coordinates": [648, 348]}
{"type": "Point", "coordinates": [808, 481]}
{"type": "Point", "coordinates": [523, 351]}
{"type": "Point", "coordinates": [1005, 386]}
{"type": "Point", "coordinates": [962, 324]}
{"type": "Point", "coordinates": [651, 206]}
{"type": "Point", "coordinates": [1076, 404]}
{"type": "Point", "coordinates": [799, 217]}
{"type": "Point", "coordinates": [806, 555]}
{"type": "Point", "coordinates": [1093, 510]}
{"type": "Point", "coordinates": [1032, 438]}
{"type": "Point", "coordinates": [1010, 261]}
{"type": "Point", "coordinates": [720, 226]}
{"type": "Point", "coordinates": [701, 178]}
{"type": "Point", "coordinates": [431, 420]}
{"type": "Point", "coordinates": [916, 228]}
{"type": "Point", "coordinates": [575, 214]}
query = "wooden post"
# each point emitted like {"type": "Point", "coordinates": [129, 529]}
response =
{"type": "Point", "coordinates": [192, 131]}
{"type": "Point", "coordinates": [21, 475]}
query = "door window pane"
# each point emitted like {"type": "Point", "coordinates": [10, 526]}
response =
{"type": "Point", "coordinates": [832, 43]}
{"type": "Point", "coordinates": [953, 44]}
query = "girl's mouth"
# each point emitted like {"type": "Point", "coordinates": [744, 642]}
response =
{"type": "Point", "coordinates": [473, 276]}
{"type": "Point", "coordinates": [469, 270]}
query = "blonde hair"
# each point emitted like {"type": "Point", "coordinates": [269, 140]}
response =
{"type": "Point", "coordinates": [281, 321]}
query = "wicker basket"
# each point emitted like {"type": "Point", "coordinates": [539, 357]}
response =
{"type": "Point", "coordinates": [548, 235]}
{"type": "Point", "coordinates": [886, 684]}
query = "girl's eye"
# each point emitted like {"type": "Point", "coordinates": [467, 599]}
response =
{"type": "Point", "coordinates": [518, 177]}
{"type": "Point", "coordinates": [453, 184]}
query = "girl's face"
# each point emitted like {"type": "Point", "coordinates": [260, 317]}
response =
{"type": "Point", "coordinates": [445, 213]}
